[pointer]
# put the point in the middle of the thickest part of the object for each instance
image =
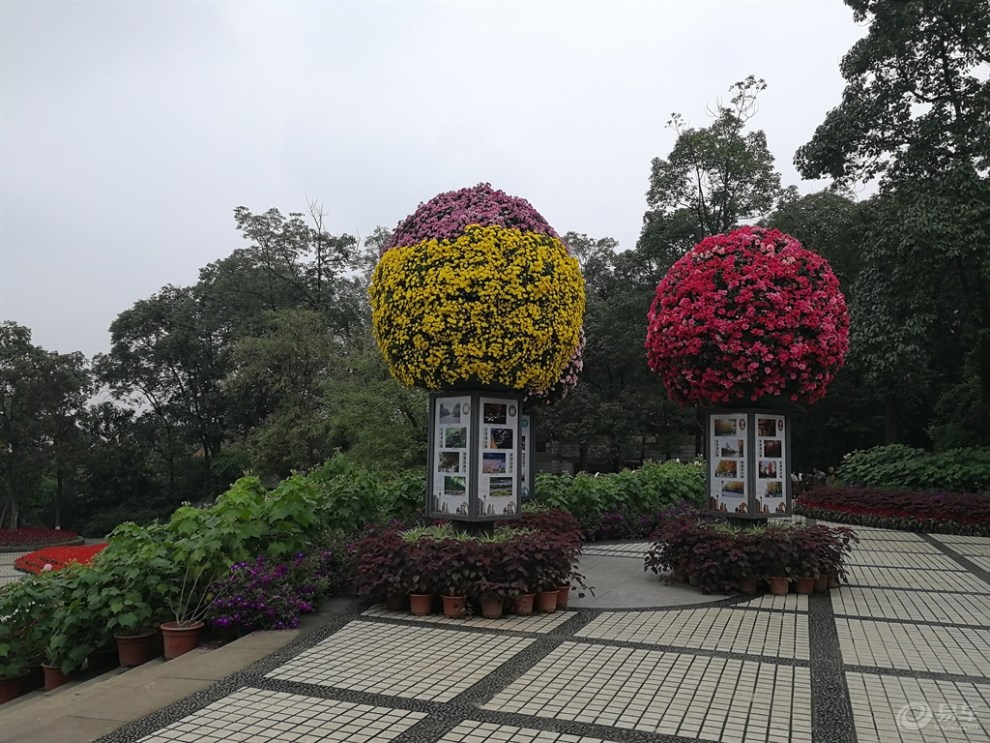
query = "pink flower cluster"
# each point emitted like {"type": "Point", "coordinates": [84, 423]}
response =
{"type": "Point", "coordinates": [745, 316]}
{"type": "Point", "coordinates": [445, 216]}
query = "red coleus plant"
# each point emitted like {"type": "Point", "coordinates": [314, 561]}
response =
{"type": "Point", "coordinates": [745, 316]}
{"type": "Point", "coordinates": [56, 558]}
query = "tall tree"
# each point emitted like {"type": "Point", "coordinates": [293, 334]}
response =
{"type": "Point", "coordinates": [42, 400]}
{"type": "Point", "coordinates": [916, 113]}
{"type": "Point", "coordinates": [714, 177]}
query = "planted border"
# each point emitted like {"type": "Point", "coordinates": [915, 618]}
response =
{"type": "Point", "coordinates": [904, 510]}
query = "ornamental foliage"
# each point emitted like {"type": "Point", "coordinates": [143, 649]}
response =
{"type": "Point", "coordinates": [475, 288]}
{"type": "Point", "coordinates": [746, 316]}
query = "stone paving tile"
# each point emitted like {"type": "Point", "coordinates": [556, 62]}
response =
{"type": "Point", "coordinates": [273, 717]}
{"type": "Point", "coordinates": [936, 608]}
{"type": "Point", "coordinates": [915, 647]}
{"type": "Point", "coordinates": [888, 709]}
{"type": "Point", "coordinates": [778, 634]}
{"type": "Point", "coordinates": [983, 562]}
{"type": "Point", "coordinates": [971, 550]}
{"type": "Point", "coordinates": [961, 539]}
{"type": "Point", "coordinates": [877, 545]}
{"type": "Point", "coordinates": [873, 532]}
{"type": "Point", "coordinates": [414, 662]}
{"type": "Point", "coordinates": [471, 731]}
{"type": "Point", "coordinates": [539, 623]}
{"type": "Point", "coordinates": [790, 602]}
{"type": "Point", "coordinates": [720, 699]}
{"type": "Point", "coordinates": [911, 560]}
{"type": "Point", "coordinates": [632, 549]}
{"type": "Point", "coordinates": [860, 575]}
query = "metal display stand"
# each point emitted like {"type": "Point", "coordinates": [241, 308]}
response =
{"type": "Point", "coordinates": [476, 458]}
{"type": "Point", "coordinates": [749, 463]}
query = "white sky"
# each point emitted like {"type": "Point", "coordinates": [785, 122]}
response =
{"type": "Point", "coordinates": [130, 131]}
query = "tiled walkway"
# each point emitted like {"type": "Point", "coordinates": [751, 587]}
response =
{"type": "Point", "coordinates": [902, 655]}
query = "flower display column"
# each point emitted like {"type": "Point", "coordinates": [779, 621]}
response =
{"type": "Point", "coordinates": [747, 322]}
{"type": "Point", "coordinates": [477, 299]}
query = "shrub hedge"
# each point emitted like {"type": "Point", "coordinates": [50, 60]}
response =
{"type": "Point", "coordinates": [899, 466]}
{"type": "Point", "coordinates": [622, 505]}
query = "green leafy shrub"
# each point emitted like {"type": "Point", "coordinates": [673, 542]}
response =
{"type": "Point", "coordinates": [899, 466]}
{"type": "Point", "coordinates": [614, 505]}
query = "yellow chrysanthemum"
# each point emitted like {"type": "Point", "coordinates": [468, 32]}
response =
{"type": "Point", "coordinates": [494, 307]}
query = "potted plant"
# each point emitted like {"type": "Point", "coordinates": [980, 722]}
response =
{"type": "Point", "coordinates": [27, 607]}
{"type": "Point", "coordinates": [418, 577]}
{"type": "Point", "coordinates": [132, 580]}
{"type": "Point", "coordinates": [380, 561]}
{"type": "Point", "coordinates": [456, 562]}
{"type": "Point", "coordinates": [201, 565]}
{"type": "Point", "coordinates": [13, 664]}
{"type": "Point", "coordinates": [778, 558]}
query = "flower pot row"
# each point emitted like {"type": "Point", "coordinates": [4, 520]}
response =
{"type": "Point", "coordinates": [715, 557]}
{"type": "Point", "coordinates": [491, 570]}
{"type": "Point", "coordinates": [490, 607]}
{"type": "Point", "coordinates": [782, 585]}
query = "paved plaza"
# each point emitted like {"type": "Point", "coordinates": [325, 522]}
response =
{"type": "Point", "coordinates": [900, 655]}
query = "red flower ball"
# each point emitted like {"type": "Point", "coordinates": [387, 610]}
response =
{"type": "Point", "coordinates": [745, 316]}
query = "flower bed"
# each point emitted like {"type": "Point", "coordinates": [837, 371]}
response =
{"type": "Point", "coordinates": [717, 557]}
{"type": "Point", "coordinates": [56, 558]}
{"type": "Point", "coordinates": [537, 553]}
{"type": "Point", "coordinates": [943, 513]}
{"type": "Point", "coordinates": [18, 540]}
{"type": "Point", "coordinates": [746, 316]}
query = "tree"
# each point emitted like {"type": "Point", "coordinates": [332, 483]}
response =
{"type": "Point", "coordinates": [42, 399]}
{"type": "Point", "coordinates": [713, 177]}
{"type": "Point", "coordinates": [916, 112]}
{"type": "Point", "coordinates": [917, 98]}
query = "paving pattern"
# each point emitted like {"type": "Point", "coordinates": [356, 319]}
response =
{"type": "Point", "coordinates": [900, 655]}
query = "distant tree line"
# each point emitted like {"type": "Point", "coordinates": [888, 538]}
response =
{"type": "Point", "coordinates": [266, 364]}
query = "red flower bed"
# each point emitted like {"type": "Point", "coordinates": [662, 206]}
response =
{"type": "Point", "coordinates": [962, 513]}
{"type": "Point", "coordinates": [57, 557]}
{"type": "Point", "coordinates": [13, 539]}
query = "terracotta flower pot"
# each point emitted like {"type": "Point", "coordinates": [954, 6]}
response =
{"type": "Point", "coordinates": [420, 604]}
{"type": "Point", "coordinates": [522, 606]}
{"type": "Point", "coordinates": [833, 581]}
{"type": "Point", "coordinates": [748, 585]}
{"type": "Point", "coordinates": [492, 608]}
{"type": "Point", "coordinates": [54, 677]}
{"type": "Point", "coordinates": [779, 586]}
{"type": "Point", "coordinates": [821, 584]}
{"type": "Point", "coordinates": [35, 678]}
{"type": "Point", "coordinates": [102, 660]}
{"type": "Point", "coordinates": [180, 638]}
{"type": "Point", "coordinates": [563, 594]}
{"type": "Point", "coordinates": [454, 606]}
{"type": "Point", "coordinates": [137, 649]}
{"type": "Point", "coordinates": [12, 687]}
{"type": "Point", "coordinates": [805, 585]}
{"type": "Point", "coordinates": [546, 601]}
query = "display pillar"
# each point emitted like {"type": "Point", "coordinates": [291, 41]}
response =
{"type": "Point", "coordinates": [749, 463]}
{"type": "Point", "coordinates": [475, 456]}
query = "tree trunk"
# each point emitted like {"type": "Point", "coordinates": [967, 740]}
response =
{"type": "Point", "coordinates": [891, 410]}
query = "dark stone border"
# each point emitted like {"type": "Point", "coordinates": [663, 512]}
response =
{"type": "Point", "coordinates": [831, 707]}
{"type": "Point", "coordinates": [961, 559]}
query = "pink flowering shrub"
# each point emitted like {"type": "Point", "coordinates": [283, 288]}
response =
{"type": "Point", "coordinates": [748, 315]}
{"type": "Point", "coordinates": [446, 215]}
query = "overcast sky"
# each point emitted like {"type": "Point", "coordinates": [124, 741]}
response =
{"type": "Point", "coordinates": [130, 131]}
